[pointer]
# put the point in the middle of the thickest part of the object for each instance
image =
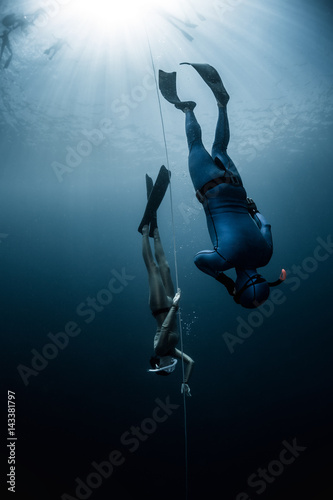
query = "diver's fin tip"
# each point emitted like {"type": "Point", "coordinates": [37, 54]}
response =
{"type": "Point", "coordinates": [212, 78]}
{"type": "Point", "coordinates": [149, 185]}
{"type": "Point", "coordinates": [161, 72]}
{"type": "Point", "coordinates": [155, 195]}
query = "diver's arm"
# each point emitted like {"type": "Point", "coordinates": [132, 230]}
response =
{"type": "Point", "coordinates": [188, 371]}
{"type": "Point", "coordinates": [167, 339]}
{"type": "Point", "coordinates": [265, 228]}
{"type": "Point", "coordinates": [189, 364]}
{"type": "Point", "coordinates": [227, 282]}
{"type": "Point", "coordinates": [211, 263]}
{"type": "Point", "coordinates": [259, 219]}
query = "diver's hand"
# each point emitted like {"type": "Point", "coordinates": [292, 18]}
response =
{"type": "Point", "coordinates": [176, 298]}
{"type": "Point", "coordinates": [185, 389]}
{"type": "Point", "coordinates": [251, 206]}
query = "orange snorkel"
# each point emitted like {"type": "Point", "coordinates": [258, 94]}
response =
{"type": "Point", "coordinates": [282, 277]}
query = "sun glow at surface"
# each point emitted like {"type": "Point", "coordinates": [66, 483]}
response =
{"type": "Point", "coordinates": [115, 14]}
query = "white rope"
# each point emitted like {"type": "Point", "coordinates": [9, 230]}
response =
{"type": "Point", "coordinates": [175, 258]}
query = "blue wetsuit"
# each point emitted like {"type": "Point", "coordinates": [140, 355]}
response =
{"type": "Point", "coordinates": [240, 241]}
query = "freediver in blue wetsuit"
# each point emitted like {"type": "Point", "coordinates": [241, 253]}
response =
{"type": "Point", "coordinates": [241, 236]}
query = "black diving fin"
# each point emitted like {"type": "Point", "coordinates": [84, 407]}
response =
{"type": "Point", "coordinates": [155, 195]}
{"type": "Point", "coordinates": [167, 85]}
{"type": "Point", "coordinates": [153, 222]}
{"type": "Point", "coordinates": [213, 80]}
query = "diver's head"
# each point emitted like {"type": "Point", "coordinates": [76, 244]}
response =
{"type": "Point", "coordinates": [163, 365]}
{"type": "Point", "coordinates": [253, 292]}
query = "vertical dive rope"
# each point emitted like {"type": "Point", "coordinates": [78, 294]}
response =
{"type": "Point", "coordinates": [175, 259]}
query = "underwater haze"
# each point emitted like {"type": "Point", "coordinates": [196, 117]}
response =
{"type": "Point", "coordinates": [81, 124]}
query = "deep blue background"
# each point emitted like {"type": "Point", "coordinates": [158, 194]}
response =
{"type": "Point", "coordinates": [61, 240]}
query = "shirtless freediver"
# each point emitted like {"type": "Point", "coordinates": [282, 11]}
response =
{"type": "Point", "coordinates": [163, 301]}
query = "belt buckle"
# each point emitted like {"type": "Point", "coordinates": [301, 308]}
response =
{"type": "Point", "coordinates": [234, 180]}
{"type": "Point", "coordinates": [200, 196]}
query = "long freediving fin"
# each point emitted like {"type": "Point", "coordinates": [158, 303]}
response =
{"type": "Point", "coordinates": [149, 185]}
{"type": "Point", "coordinates": [153, 222]}
{"type": "Point", "coordinates": [167, 85]}
{"type": "Point", "coordinates": [213, 80]}
{"type": "Point", "coordinates": [156, 195]}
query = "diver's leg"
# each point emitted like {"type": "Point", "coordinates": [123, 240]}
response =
{"type": "Point", "coordinates": [222, 137]}
{"type": "Point", "coordinates": [222, 132]}
{"type": "Point", "coordinates": [201, 165]}
{"type": "Point", "coordinates": [193, 130]}
{"type": "Point", "coordinates": [8, 61]}
{"type": "Point", "coordinates": [163, 265]}
{"type": "Point", "coordinates": [9, 48]}
{"type": "Point", "coordinates": [157, 294]}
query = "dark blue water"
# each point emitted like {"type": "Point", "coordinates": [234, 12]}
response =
{"type": "Point", "coordinates": [78, 133]}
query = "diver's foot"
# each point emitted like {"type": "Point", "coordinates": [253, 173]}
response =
{"type": "Point", "coordinates": [223, 102]}
{"type": "Point", "coordinates": [185, 105]}
{"type": "Point", "coordinates": [221, 95]}
{"type": "Point", "coordinates": [153, 225]}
